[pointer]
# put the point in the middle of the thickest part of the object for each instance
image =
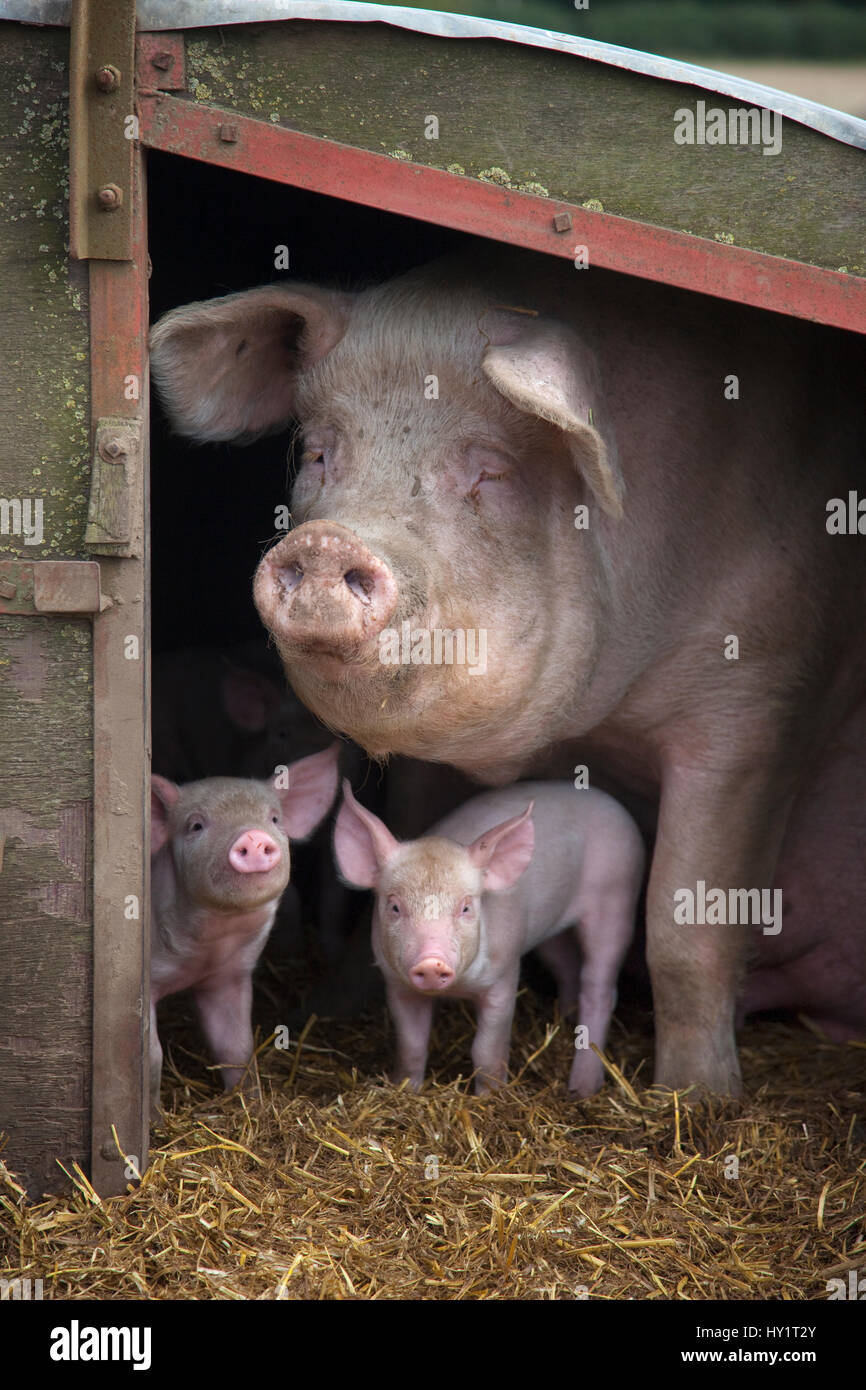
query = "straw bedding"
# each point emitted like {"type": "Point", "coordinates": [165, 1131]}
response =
{"type": "Point", "coordinates": [338, 1185]}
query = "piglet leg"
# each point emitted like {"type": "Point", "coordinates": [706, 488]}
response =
{"type": "Point", "coordinates": [225, 1007]}
{"type": "Point", "coordinates": [155, 1061]}
{"type": "Point", "coordinates": [492, 1042]}
{"type": "Point", "coordinates": [604, 932]}
{"type": "Point", "coordinates": [562, 958]}
{"type": "Point", "coordinates": [413, 1016]}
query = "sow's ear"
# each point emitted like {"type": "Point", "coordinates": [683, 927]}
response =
{"type": "Point", "coordinates": [227, 368]}
{"type": "Point", "coordinates": [362, 843]}
{"type": "Point", "coordinates": [543, 367]}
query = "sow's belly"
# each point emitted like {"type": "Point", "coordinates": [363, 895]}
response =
{"type": "Point", "coordinates": [817, 962]}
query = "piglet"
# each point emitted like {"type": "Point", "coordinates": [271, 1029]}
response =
{"type": "Point", "coordinates": [220, 864]}
{"type": "Point", "coordinates": [534, 865]}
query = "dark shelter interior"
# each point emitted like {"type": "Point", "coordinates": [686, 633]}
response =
{"type": "Point", "coordinates": [213, 232]}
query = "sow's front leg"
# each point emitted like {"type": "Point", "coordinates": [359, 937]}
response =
{"type": "Point", "coordinates": [721, 823]}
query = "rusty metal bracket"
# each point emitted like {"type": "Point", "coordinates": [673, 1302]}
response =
{"type": "Point", "coordinates": [252, 146]}
{"type": "Point", "coordinates": [113, 513]}
{"type": "Point", "coordinates": [49, 586]}
{"type": "Point", "coordinates": [103, 129]}
{"type": "Point", "coordinates": [159, 63]}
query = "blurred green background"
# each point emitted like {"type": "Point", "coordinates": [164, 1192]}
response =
{"type": "Point", "coordinates": [816, 48]}
{"type": "Point", "coordinates": [766, 28]}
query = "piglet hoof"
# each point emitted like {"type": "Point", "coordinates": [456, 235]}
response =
{"type": "Point", "coordinates": [587, 1072]}
{"type": "Point", "coordinates": [243, 1082]}
{"type": "Point", "coordinates": [486, 1085]}
{"type": "Point", "coordinates": [586, 1080]}
{"type": "Point", "coordinates": [412, 1083]}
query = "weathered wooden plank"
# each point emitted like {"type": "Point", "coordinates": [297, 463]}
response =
{"type": "Point", "coordinates": [45, 662]}
{"type": "Point", "coordinates": [44, 384]}
{"type": "Point", "coordinates": [541, 120]}
{"type": "Point", "coordinates": [45, 898]}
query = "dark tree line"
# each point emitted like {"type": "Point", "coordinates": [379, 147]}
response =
{"type": "Point", "coordinates": [816, 29]}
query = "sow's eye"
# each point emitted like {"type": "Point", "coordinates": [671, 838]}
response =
{"type": "Point", "coordinates": [393, 908]}
{"type": "Point", "coordinates": [484, 472]}
{"type": "Point", "coordinates": [195, 825]}
{"type": "Point", "coordinates": [466, 907]}
{"type": "Point", "coordinates": [312, 456]}
{"type": "Point", "coordinates": [316, 458]}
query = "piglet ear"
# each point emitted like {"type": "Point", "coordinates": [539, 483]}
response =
{"type": "Point", "coordinates": [545, 369]}
{"type": "Point", "coordinates": [163, 797]}
{"type": "Point", "coordinates": [362, 843]}
{"type": "Point", "coordinates": [228, 368]}
{"type": "Point", "coordinates": [312, 787]}
{"type": "Point", "coordinates": [504, 852]}
{"type": "Point", "coordinates": [249, 699]}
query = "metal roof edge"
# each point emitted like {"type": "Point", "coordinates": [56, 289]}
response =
{"type": "Point", "coordinates": [193, 14]}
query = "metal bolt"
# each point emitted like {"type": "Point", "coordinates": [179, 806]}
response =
{"type": "Point", "coordinates": [163, 61]}
{"type": "Point", "coordinates": [108, 78]}
{"type": "Point", "coordinates": [562, 222]}
{"type": "Point", "coordinates": [111, 450]}
{"type": "Point", "coordinates": [109, 1152]}
{"type": "Point", "coordinates": [228, 134]}
{"type": "Point", "coordinates": [110, 197]}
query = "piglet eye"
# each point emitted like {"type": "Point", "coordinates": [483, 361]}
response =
{"type": "Point", "coordinates": [195, 825]}
{"type": "Point", "coordinates": [275, 819]}
{"type": "Point", "coordinates": [466, 909]}
{"type": "Point", "coordinates": [394, 908]}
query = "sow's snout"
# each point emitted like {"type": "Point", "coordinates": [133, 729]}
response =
{"type": "Point", "coordinates": [321, 588]}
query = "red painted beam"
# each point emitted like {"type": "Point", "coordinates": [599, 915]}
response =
{"type": "Point", "coordinates": [180, 126]}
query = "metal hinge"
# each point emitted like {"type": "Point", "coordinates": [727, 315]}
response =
{"type": "Point", "coordinates": [49, 586]}
{"type": "Point", "coordinates": [113, 516]}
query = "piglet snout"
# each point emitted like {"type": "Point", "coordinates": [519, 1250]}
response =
{"type": "Point", "coordinates": [431, 973]}
{"type": "Point", "coordinates": [254, 852]}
